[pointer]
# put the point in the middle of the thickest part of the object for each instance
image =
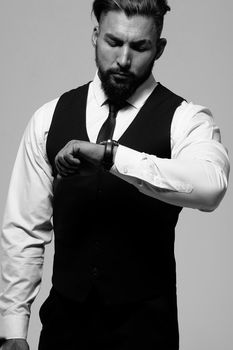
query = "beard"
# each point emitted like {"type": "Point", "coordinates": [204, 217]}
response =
{"type": "Point", "coordinates": [118, 88]}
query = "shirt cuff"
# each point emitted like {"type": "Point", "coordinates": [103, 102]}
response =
{"type": "Point", "coordinates": [127, 160]}
{"type": "Point", "coordinates": [142, 169]}
{"type": "Point", "coordinates": [15, 326]}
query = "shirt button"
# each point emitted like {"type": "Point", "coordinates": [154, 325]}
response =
{"type": "Point", "coordinates": [140, 183]}
{"type": "Point", "coordinates": [157, 182]}
{"type": "Point", "coordinates": [182, 188]}
{"type": "Point", "coordinates": [125, 170]}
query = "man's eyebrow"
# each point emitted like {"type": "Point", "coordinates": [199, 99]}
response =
{"type": "Point", "coordinates": [112, 37]}
{"type": "Point", "coordinates": [135, 42]}
{"type": "Point", "coordinates": [142, 42]}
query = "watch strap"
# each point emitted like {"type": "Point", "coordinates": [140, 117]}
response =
{"type": "Point", "coordinates": [107, 161]}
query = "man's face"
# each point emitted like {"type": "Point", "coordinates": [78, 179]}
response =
{"type": "Point", "coordinates": [126, 48]}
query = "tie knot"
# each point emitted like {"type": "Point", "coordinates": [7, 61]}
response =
{"type": "Point", "coordinates": [115, 107]}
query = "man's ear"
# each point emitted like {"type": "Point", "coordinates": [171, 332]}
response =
{"type": "Point", "coordinates": [95, 35]}
{"type": "Point", "coordinates": [161, 43]}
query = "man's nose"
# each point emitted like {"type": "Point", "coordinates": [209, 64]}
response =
{"type": "Point", "coordinates": [124, 58]}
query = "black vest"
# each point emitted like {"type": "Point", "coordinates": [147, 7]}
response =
{"type": "Point", "coordinates": [108, 235]}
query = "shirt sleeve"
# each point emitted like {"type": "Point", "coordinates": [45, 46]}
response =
{"type": "Point", "coordinates": [196, 176]}
{"type": "Point", "coordinates": [27, 226]}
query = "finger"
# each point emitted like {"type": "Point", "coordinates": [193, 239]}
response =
{"type": "Point", "coordinates": [71, 160]}
{"type": "Point", "coordinates": [61, 168]}
{"type": "Point", "coordinates": [64, 171]}
{"type": "Point", "coordinates": [66, 167]}
{"type": "Point", "coordinates": [67, 158]}
{"type": "Point", "coordinates": [66, 164]}
{"type": "Point", "coordinates": [75, 148]}
{"type": "Point", "coordinates": [72, 147]}
{"type": "Point", "coordinates": [61, 173]}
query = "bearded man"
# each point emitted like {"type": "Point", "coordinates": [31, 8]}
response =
{"type": "Point", "coordinates": [112, 163]}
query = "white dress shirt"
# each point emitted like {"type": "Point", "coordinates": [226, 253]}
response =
{"type": "Point", "coordinates": [196, 176]}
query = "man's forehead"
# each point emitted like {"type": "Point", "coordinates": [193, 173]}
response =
{"type": "Point", "coordinates": [135, 27]}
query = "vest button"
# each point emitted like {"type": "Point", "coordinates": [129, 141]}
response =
{"type": "Point", "coordinates": [97, 244]}
{"type": "Point", "coordinates": [95, 271]}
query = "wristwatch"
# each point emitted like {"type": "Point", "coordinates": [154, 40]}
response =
{"type": "Point", "coordinates": [107, 161]}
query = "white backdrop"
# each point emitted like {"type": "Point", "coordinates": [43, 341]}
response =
{"type": "Point", "coordinates": [46, 49]}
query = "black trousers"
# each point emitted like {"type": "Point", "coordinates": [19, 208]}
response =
{"type": "Point", "coordinates": [91, 325]}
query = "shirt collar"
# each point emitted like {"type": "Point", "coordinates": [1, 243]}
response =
{"type": "Point", "coordinates": [137, 100]}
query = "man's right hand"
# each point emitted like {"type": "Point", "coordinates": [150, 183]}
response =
{"type": "Point", "coordinates": [15, 344]}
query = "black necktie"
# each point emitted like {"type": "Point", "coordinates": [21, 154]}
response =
{"type": "Point", "coordinates": [107, 129]}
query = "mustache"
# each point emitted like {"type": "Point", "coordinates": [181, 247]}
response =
{"type": "Point", "coordinates": [121, 71]}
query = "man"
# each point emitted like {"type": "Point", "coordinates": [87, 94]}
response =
{"type": "Point", "coordinates": [113, 163]}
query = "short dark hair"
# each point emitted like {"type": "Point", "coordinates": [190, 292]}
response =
{"type": "Point", "coordinates": [152, 8]}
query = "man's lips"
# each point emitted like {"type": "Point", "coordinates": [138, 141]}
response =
{"type": "Point", "coordinates": [121, 75]}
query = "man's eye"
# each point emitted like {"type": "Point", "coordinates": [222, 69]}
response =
{"type": "Point", "coordinates": [139, 48]}
{"type": "Point", "coordinates": [113, 43]}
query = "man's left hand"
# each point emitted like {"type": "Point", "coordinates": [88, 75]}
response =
{"type": "Point", "coordinates": [79, 157]}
